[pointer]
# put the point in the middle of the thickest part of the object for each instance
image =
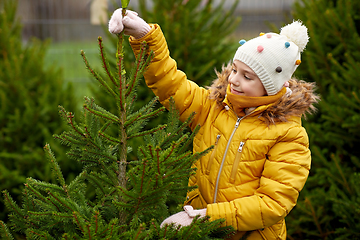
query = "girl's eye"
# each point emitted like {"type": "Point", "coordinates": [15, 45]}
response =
{"type": "Point", "coordinates": [247, 77]}
{"type": "Point", "coordinates": [233, 70]}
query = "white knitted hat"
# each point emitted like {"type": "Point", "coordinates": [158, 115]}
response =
{"type": "Point", "coordinates": [274, 57]}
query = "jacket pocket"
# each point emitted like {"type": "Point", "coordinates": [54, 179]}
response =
{"type": "Point", "coordinates": [236, 162]}
{"type": "Point", "coordinates": [191, 196]}
{"type": "Point", "coordinates": [212, 156]}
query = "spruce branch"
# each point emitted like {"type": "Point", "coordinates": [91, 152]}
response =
{"type": "Point", "coordinates": [136, 120]}
{"type": "Point", "coordinates": [189, 140]}
{"type": "Point", "coordinates": [74, 126]}
{"type": "Point", "coordinates": [148, 132]}
{"type": "Point", "coordinates": [135, 75]}
{"type": "Point", "coordinates": [60, 200]}
{"type": "Point", "coordinates": [100, 182]}
{"type": "Point", "coordinates": [143, 60]}
{"type": "Point", "coordinates": [55, 167]}
{"type": "Point", "coordinates": [110, 138]}
{"type": "Point", "coordinates": [79, 222]}
{"type": "Point", "coordinates": [45, 186]}
{"type": "Point", "coordinates": [11, 204]}
{"type": "Point", "coordinates": [105, 126]}
{"type": "Point", "coordinates": [97, 76]}
{"type": "Point", "coordinates": [29, 186]}
{"type": "Point", "coordinates": [101, 114]}
{"type": "Point", "coordinates": [101, 161]}
{"type": "Point", "coordinates": [182, 127]}
{"type": "Point", "coordinates": [105, 62]}
{"type": "Point", "coordinates": [4, 232]}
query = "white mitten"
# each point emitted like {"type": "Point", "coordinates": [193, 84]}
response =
{"type": "Point", "coordinates": [115, 23]}
{"type": "Point", "coordinates": [131, 23]}
{"type": "Point", "coordinates": [184, 218]}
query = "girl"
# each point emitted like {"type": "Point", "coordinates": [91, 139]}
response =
{"type": "Point", "coordinates": [252, 116]}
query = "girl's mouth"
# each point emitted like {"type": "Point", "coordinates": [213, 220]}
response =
{"type": "Point", "coordinates": [236, 91]}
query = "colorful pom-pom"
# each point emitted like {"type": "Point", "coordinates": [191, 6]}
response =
{"type": "Point", "coordinates": [260, 48]}
{"type": "Point", "coordinates": [269, 35]}
{"type": "Point", "coordinates": [261, 34]}
{"type": "Point", "coordinates": [287, 44]}
{"type": "Point", "coordinates": [278, 69]}
{"type": "Point", "coordinates": [298, 62]}
{"type": "Point", "coordinates": [242, 41]}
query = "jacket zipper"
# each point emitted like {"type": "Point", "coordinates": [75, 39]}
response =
{"type": "Point", "coordinates": [236, 162]}
{"type": "Point", "coordinates": [223, 159]}
{"type": "Point", "coordinates": [213, 154]}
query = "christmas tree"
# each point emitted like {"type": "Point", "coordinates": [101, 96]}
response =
{"type": "Point", "coordinates": [329, 205]}
{"type": "Point", "coordinates": [131, 196]}
{"type": "Point", "coordinates": [29, 93]}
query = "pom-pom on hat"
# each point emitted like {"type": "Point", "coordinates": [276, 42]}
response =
{"type": "Point", "coordinates": [274, 57]}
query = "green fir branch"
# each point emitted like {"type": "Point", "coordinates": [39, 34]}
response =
{"type": "Point", "coordinates": [73, 125]}
{"type": "Point", "coordinates": [63, 201]}
{"type": "Point", "coordinates": [97, 76]}
{"type": "Point", "coordinates": [168, 152]}
{"type": "Point", "coordinates": [105, 62]}
{"type": "Point", "coordinates": [78, 184]}
{"type": "Point", "coordinates": [32, 233]}
{"type": "Point", "coordinates": [141, 118]}
{"type": "Point", "coordinates": [143, 60]}
{"type": "Point", "coordinates": [178, 132]}
{"type": "Point", "coordinates": [80, 222]}
{"type": "Point", "coordinates": [109, 138]}
{"type": "Point", "coordinates": [4, 232]}
{"type": "Point", "coordinates": [45, 186]}
{"type": "Point", "coordinates": [144, 110]}
{"type": "Point", "coordinates": [94, 179]}
{"type": "Point", "coordinates": [33, 191]}
{"type": "Point", "coordinates": [12, 206]}
{"type": "Point", "coordinates": [69, 139]}
{"type": "Point", "coordinates": [148, 132]}
{"type": "Point", "coordinates": [135, 75]}
{"type": "Point", "coordinates": [100, 157]}
{"type": "Point", "coordinates": [101, 114]}
{"type": "Point", "coordinates": [55, 167]}
{"type": "Point", "coordinates": [105, 126]}
{"type": "Point", "coordinates": [148, 56]}
{"type": "Point", "coordinates": [189, 139]}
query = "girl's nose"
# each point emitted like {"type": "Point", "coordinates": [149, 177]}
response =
{"type": "Point", "coordinates": [234, 81]}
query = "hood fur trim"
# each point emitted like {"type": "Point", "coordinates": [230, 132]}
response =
{"type": "Point", "coordinates": [299, 103]}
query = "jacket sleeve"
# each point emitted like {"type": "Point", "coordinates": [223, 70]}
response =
{"type": "Point", "coordinates": [165, 80]}
{"type": "Point", "coordinates": [285, 172]}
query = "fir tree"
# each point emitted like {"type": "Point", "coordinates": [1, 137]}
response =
{"type": "Point", "coordinates": [131, 195]}
{"type": "Point", "coordinates": [29, 95]}
{"type": "Point", "coordinates": [329, 205]}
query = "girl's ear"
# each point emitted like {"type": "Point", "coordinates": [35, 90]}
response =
{"type": "Point", "coordinates": [286, 84]}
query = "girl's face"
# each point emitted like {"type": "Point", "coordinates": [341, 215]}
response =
{"type": "Point", "coordinates": [243, 81]}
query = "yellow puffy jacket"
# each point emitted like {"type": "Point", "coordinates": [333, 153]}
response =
{"type": "Point", "coordinates": [259, 164]}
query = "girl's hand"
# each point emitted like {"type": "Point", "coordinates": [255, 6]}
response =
{"type": "Point", "coordinates": [131, 24]}
{"type": "Point", "coordinates": [184, 218]}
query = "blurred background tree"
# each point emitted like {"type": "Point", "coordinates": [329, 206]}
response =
{"type": "Point", "coordinates": [329, 207]}
{"type": "Point", "coordinates": [29, 96]}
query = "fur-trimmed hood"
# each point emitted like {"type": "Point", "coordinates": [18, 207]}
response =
{"type": "Point", "coordinates": [299, 103]}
